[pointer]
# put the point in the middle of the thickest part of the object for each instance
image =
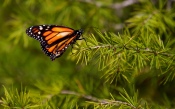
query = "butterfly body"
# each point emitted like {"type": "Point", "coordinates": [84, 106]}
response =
{"type": "Point", "coordinates": [54, 40]}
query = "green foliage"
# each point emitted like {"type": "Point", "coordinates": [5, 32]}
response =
{"type": "Point", "coordinates": [125, 61]}
{"type": "Point", "coordinates": [22, 99]}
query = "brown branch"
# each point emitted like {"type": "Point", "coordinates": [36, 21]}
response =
{"type": "Point", "coordinates": [146, 50]}
{"type": "Point", "coordinates": [94, 99]}
{"type": "Point", "coordinates": [115, 6]}
{"type": "Point", "coordinates": [123, 4]}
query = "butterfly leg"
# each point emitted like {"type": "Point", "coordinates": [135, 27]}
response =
{"type": "Point", "coordinates": [85, 41]}
{"type": "Point", "coordinates": [72, 48]}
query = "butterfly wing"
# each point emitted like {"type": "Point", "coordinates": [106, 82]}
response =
{"type": "Point", "coordinates": [54, 39]}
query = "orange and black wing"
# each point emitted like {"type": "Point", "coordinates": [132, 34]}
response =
{"type": "Point", "coordinates": [54, 39]}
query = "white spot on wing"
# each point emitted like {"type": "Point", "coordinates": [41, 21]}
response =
{"type": "Point", "coordinates": [40, 28]}
{"type": "Point", "coordinates": [64, 33]}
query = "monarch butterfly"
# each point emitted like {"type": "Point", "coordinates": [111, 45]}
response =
{"type": "Point", "coordinates": [54, 39]}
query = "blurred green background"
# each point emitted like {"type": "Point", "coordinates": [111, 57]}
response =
{"type": "Point", "coordinates": [22, 60]}
{"type": "Point", "coordinates": [23, 63]}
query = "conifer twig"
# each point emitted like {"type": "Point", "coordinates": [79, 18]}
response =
{"type": "Point", "coordinates": [94, 99]}
{"type": "Point", "coordinates": [123, 4]}
{"type": "Point", "coordinates": [148, 50]}
{"type": "Point", "coordinates": [115, 6]}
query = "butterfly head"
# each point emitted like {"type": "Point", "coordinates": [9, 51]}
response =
{"type": "Point", "coordinates": [79, 33]}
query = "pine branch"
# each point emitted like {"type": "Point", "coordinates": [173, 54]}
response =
{"type": "Point", "coordinates": [118, 54]}
{"type": "Point", "coordinates": [97, 100]}
{"type": "Point", "coordinates": [123, 4]}
{"type": "Point", "coordinates": [136, 50]}
{"type": "Point", "coordinates": [115, 6]}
